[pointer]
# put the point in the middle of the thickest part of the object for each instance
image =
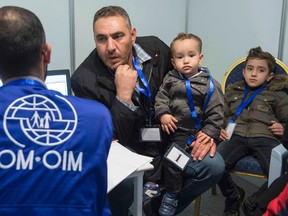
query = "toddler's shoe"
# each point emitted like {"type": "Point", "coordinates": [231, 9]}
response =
{"type": "Point", "coordinates": [168, 205]}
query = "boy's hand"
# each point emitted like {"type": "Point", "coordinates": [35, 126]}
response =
{"type": "Point", "coordinates": [276, 128]}
{"type": "Point", "coordinates": [202, 145]}
{"type": "Point", "coordinates": [223, 135]}
{"type": "Point", "coordinates": [168, 123]}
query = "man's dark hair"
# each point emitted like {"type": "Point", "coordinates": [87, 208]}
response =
{"type": "Point", "coordinates": [258, 53]}
{"type": "Point", "coordinates": [109, 11]}
{"type": "Point", "coordinates": [22, 39]}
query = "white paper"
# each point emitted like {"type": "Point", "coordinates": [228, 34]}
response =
{"type": "Point", "coordinates": [178, 158]}
{"type": "Point", "coordinates": [121, 163]}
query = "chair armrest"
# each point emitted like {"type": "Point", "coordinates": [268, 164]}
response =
{"type": "Point", "coordinates": [278, 154]}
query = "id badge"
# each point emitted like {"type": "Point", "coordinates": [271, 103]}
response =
{"type": "Point", "coordinates": [150, 134]}
{"type": "Point", "coordinates": [178, 156]}
{"type": "Point", "coordinates": [230, 129]}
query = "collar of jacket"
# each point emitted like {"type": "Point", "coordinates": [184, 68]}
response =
{"type": "Point", "coordinates": [176, 74]}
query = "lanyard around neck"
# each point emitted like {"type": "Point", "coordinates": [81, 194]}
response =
{"type": "Point", "coordinates": [244, 103]}
{"type": "Point", "coordinates": [191, 102]}
{"type": "Point", "coordinates": [25, 82]}
{"type": "Point", "coordinates": [146, 91]}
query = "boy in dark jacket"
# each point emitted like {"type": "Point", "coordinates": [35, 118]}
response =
{"type": "Point", "coordinates": [190, 106]}
{"type": "Point", "coordinates": [256, 110]}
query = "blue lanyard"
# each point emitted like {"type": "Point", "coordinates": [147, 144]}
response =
{"type": "Point", "coordinates": [25, 82]}
{"type": "Point", "coordinates": [146, 91]}
{"type": "Point", "coordinates": [244, 103]}
{"type": "Point", "coordinates": [191, 103]}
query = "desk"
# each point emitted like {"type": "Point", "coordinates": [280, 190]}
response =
{"type": "Point", "coordinates": [138, 188]}
{"type": "Point", "coordinates": [120, 167]}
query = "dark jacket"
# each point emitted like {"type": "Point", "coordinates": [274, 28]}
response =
{"type": "Point", "coordinates": [270, 104]}
{"type": "Point", "coordinates": [93, 80]}
{"type": "Point", "coordinates": [172, 99]}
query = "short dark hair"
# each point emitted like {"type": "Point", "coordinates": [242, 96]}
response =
{"type": "Point", "coordinates": [22, 39]}
{"type": "Point", "coordinates": [109, 11]}
{"type": "Point", "coordinates": [183, 36]}
{"type": "Point", "coordinates": [258, 53]}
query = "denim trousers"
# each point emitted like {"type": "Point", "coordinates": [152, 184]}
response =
{"type": "Point", "coordinates": [238, 147]}
{"type": "Point", "coordinates": [174, 178]}
{"type": "Point", "coordinates": [198, 176]}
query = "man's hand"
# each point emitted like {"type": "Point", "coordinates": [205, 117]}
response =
{"type": "Point", "coordinates": [168, 123]}
{"type": "Point", "coordinates": [202, 145]}
{"type": "Point", "coordinates": [276, 128]}
{"type": "Point", "coordinates": [125, 82]}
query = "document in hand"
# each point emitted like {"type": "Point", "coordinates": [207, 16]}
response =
{"type": "Point", "coordinates": [122, 162]}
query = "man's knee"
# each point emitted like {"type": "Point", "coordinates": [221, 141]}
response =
{"type": "Point", "coordinates": [215, 166]}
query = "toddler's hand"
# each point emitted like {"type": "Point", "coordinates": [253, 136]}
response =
{"type": "Point", "coordinates": [168, 123]}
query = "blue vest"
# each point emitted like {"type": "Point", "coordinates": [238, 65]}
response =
{"type": "Point", "coordinates": [53, 152]}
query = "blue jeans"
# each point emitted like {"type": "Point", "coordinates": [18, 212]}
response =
{"type": "Point", "coordinates": [199, 176]}
{"type": "Point", "coordinates": [235, 149]}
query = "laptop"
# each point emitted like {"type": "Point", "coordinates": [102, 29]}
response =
{"type": "Point", "coordinates": [58, 80]}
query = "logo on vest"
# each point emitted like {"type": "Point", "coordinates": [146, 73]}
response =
{"type": "Point", "coordinates": [37, 120]}
{"type": "Point", "coordinates": [40, 120]}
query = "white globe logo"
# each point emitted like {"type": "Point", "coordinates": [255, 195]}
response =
{"type": "Point", "coordinates": [40, 120]}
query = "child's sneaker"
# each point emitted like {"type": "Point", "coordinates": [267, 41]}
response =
{"type": "Point", "coordinates": [150, 190]}
{"type": "Point", "coordinates": [168, 205]}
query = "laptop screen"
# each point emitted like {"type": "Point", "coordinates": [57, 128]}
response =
{"type": "Point", "coordinates": [58, 80]}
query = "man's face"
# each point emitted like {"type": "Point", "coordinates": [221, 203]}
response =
{"type": "Point", "coordinates": [114, 41]}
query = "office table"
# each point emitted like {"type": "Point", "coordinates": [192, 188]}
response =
{"type": "Point", "coordinates": [136, 207]}
{"type": "Point", "coordinates": [120, 167]}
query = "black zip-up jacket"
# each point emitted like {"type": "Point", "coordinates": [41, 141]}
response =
{"type": "Point", "coordinates": [92, 79]}
{"type": "Point", "coordinates": [172, 99]}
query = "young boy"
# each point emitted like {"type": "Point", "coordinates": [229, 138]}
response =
{"type": "Point", "coordinates": [256, 111]}
{"type": "Point", "coordinates": [185, 93]}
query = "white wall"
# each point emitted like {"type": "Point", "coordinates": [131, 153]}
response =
{"type": "Point", "coordinates": [230, 28]}
{"type": "Point", "coordinates": [54, 16]}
